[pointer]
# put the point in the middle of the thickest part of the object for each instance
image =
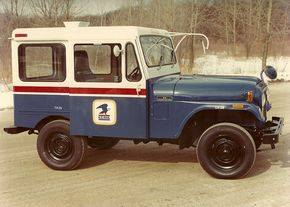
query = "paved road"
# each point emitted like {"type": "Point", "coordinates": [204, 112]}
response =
{"type": "Point", "coordinates": [143, 175]}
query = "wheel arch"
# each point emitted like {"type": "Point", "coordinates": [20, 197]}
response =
{"type": "Point", "coordinates": [198, 121]}
{"type": "Point", "coordinates": [49, 119]}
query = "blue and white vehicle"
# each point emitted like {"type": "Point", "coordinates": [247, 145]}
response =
{"type": "Point", "coordinates": [78, 85]}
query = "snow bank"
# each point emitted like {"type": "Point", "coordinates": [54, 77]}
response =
{"type": "Point", "coordinates": [4, 88]}
{"type": "Point", "coordinates": [6, 100]}
{"type": "Point", "coordinates": [6, 96]}
{"type": "Point", "coordinates": [215, 64]}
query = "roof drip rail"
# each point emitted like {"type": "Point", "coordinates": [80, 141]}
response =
{"type": "Point", "coordinates": [176, 34]}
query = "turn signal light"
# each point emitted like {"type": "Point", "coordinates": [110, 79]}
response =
{"type": "Point", "coordinates": [238, 106]}
{"type": "Point", "coordinates": [250, 96]}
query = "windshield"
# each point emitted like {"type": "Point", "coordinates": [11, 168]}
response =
{"type": "Point", "coordinates": [157, 50]}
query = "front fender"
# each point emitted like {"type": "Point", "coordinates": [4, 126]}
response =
{"type": "Point", "coordinates": [253, 109]}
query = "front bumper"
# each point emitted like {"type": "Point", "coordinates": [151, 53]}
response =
{"type": "Point", "coordinates": [272, 130]}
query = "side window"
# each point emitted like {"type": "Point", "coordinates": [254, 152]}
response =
{"type": "Point", "coordinates": [96, 63]}
{"type": "Point", "coordinates": [42, 62]}
{"type": "Point", "coordinates": [133, 72]}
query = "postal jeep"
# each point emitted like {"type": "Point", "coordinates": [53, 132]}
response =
{"type": "Point", "coordinates": [78, 85]}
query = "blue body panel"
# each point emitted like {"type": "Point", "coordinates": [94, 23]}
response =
{"type": "Point", "coordinates": [131, 118]}
{"type": "Point", "coordinates": [179, 112]}
{"type": "Point", "coordinates": [131, 114]}
{"type": "Point", "coordinates": [175, 99]}
{"type": "Point", "coordinates": [29, 110]}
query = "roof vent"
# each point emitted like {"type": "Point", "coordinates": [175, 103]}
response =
{"type": "Point", "coordinates": [76, 24]}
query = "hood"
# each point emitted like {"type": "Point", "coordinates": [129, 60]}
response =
{"type": "Point", "coordinates": [207, 88]}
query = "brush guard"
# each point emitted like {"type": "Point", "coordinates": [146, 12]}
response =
{"type": "Point", "coordinates": [272, 130]}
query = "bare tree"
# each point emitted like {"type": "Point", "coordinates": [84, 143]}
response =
{"type": "Point", "coordinates": [70, 9]}
{"type": "Point", "coordinates": [13, 10]}
{"type": "Point", "coordinates": [53, 12]}
{"type": "Point", "coordinates": [195, 7]}
{"type": "Point", "coordinates": [285, 25]}
{"type": "Point", "coordinates": [234, 17]}
{"type": "Point", "coordinates": [198, 16]}
{"type": "Point", "coordinates": [267, 36]}
{"type": "Point", "coordinates": [227, 23]}
{"type": "Point", "coordinates": [11, 17]}
{"type": "Point", "coordinates": [141, 11]}
{"type": "Point", "coordinates": [101, 10]}
{"type": "Point", "coordinates": [249, 34]}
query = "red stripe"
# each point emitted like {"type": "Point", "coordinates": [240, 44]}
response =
{"type": "Point", "coordinates": [110, 91]}
{"type": "Point", "coordinates": [40, 89]}
{"type": "Point", "coordinates": [20, 35]}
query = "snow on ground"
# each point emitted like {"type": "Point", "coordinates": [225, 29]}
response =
{"type": "Point", "coordinates": [214, 64]}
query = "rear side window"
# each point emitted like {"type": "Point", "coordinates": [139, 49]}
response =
{"type": "Point", "coordinates": [42, 62]}
{"type": "Point", "coordinates": [97, 63]}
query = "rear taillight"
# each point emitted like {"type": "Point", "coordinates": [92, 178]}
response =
{"type": "Point", "coordinates": [20, 35]}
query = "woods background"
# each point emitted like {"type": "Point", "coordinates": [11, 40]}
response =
{"type": "Point", "coordinates": [239, 28]}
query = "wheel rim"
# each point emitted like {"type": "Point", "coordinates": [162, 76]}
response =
{"type": "Point", "coordinates": [59, 147]}
{"type": "Point", "coordinates": [226, 153]}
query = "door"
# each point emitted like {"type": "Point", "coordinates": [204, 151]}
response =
{"type": "Point", "coordinates": [108, 94]}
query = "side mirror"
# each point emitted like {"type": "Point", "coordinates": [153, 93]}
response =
{"type": "Point", "coordinates": [117, 51]}
{"type": "Point", "coordinates": [270, 72]}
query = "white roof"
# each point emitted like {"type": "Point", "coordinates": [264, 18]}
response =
{"type": "Point", "coordinates": [80, 31]}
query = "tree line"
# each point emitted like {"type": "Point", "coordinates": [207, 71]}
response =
{"type": "Point", "coordinates": [235, 27]}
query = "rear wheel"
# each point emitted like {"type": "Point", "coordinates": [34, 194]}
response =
{"type": "Point", "coordinates": [226, 151]}
{"type": "Point", "coordinates": [57, 149]}
{"type": "Point", "coordinates": [102, 143]}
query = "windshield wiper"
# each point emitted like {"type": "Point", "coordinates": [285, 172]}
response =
{"type": "Point", "coordinates": [162, 47]}
{"type": "Point", "coordinates": [161, 61]}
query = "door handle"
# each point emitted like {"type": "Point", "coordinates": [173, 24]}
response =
{"type": "Point", "coordinates": [138, 90]}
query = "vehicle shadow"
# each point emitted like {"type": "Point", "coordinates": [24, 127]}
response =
{"type": "Point", "coordinates": [171, 154]}
{"type": "Point", "coordinates": [267, 157]}
{"type": "Point", "coordinates": [146, 153]}
{"type": "Point", "coordinates": [260, 166]}
{"type": "Point", "coordinates": [281, 156]}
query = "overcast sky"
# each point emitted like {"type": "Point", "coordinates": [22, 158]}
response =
{"type": "Point", "coordinates": [100, 6]}
{"type": "Point", "coordinates": [88, 6]}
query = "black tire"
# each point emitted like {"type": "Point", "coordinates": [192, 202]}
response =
{"type": "Point", "coordinates": [226, 151]}
{"type": "Point", "coordinates": [257, 139]}
{"type": "Point", "coordinates": [258, 143]}
{"type": "Point", "coordinates": [102, 143]}
{"type": "Point", "coordinates": [57, 149]}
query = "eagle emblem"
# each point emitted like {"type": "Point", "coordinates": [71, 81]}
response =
{"type": "Point", "coordinates": [104, 108]}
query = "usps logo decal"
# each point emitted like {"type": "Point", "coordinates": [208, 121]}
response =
{"type": "Point", "coordinates": [104, 112]}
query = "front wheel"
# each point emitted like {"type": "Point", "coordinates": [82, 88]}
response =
{"type": "Point", "coordinates": [258, 143]}
{"type": "Point", "coordinates": [226, 151]}
{"type": "Point", "coordinates": [57, 149]}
